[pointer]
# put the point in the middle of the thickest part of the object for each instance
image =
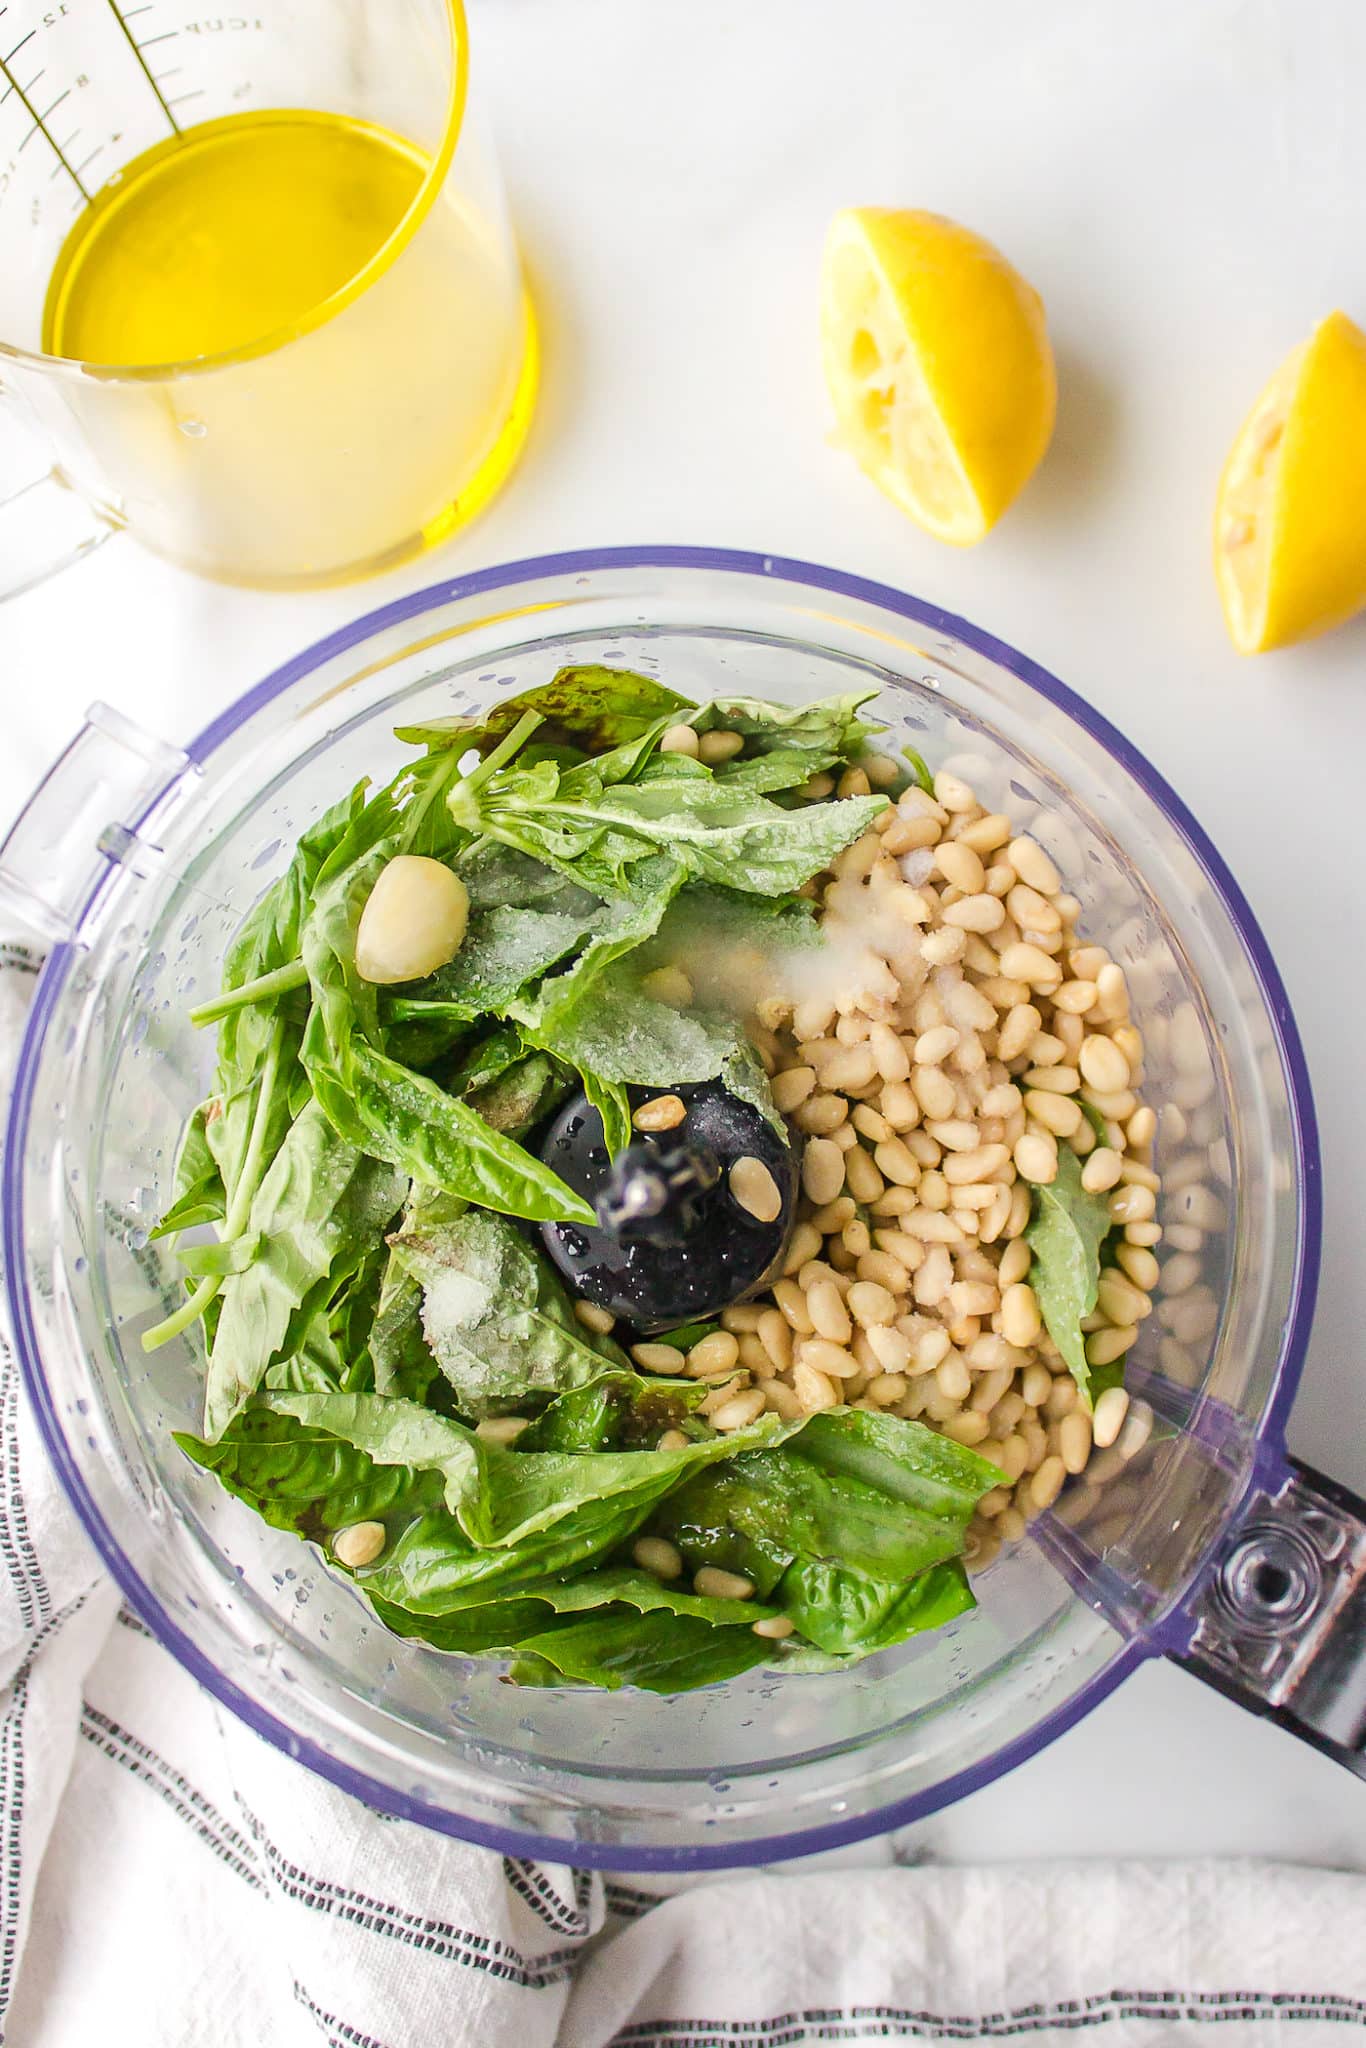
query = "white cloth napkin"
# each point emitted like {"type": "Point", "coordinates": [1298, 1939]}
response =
{"type": "Point", "coordinates": [168, 1879]}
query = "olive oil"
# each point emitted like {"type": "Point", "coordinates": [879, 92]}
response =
{"type": "Point", "coordinates": [227, 237]}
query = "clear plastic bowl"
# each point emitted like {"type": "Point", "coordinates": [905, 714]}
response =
{"type": "Point", "coordinates": [763, 1766]}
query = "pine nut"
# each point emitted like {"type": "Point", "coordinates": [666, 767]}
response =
{"type": "Point", "coordinates": [1047, 1482]}
{"type": "Point", "coordinates": [672, 1440]}
{"type": "Point", "coordinates": [1103, 1347]}
{"type": "Point", "coordinates": [714, 1584]}
{"type": "Point", "coordinates": [1104, 1065]}
{"type": "Point", "coordinates": [1062, 1398]}
{"type": "Point", "coordinates": [805, 1241]}
{"type": "Point", "coordinates": [829, 1317]}
{"type": "Point", "coordinates": [982, 913]}
{"type": "Point", "coordinates": [1075, 997]}
{"type": "Point", "coordinates": [716, 1352]}
{"type": "Point", "coordinates": [774, 1628]}
{"type": "Point", "coordinates": [755, 1189]}
{"type": "Point", "coordinates": [1140, 1266]}
{"type": "Point", "coordinates": [742, 1315]}
{"type": "Point", "coordinates": [1133, 1205]}
{"type": "Point", "coordinates": [661, 1113]}
{"type": "Point", "coordinates": [952, 1377]}
{"type": "Point", "coordinates": [715, 747]}
{"type": "Point", "coordinates": [869, 1303]}
{"type": "Point", "coordinates": [814, 1391]}
{"type": "Point", "coordinates": [753, 1355]}
{"type": "Point", "coordinates": [953, 793]}
{"type": "Point", "coordinates": [663, 1358]}
{"type": "Point", "coordinates": [1022, 962]}
{"type": "Point", "coordinates": [967, 1428]}
{"type": "Point", "coordinates": [359, 1545]}
{"type": "Point", "coordinates": [1036, 1158]}
{"type": "Point", "coordinates": [884, 1270]}
{"type": "Point", "coordinates": [1019, 1030]}
{"type": "Point", "coordinates": [1180, 1273]}
{"type": "Point", "coordinates": [870, 1123]}
{"type": "Point", "coordinates": [1106, 1423]}
{"type": "Point", "coordinates": [679, 739]}
{"type": "Point", "coordinates": [1141, 1128]}
{"type": "Point", "coordinates": [1020, 1318]}
{"type": "Point", "coordinates": [959, 865]}
{"type": "Point", "coordinates": [1059, 1114]}
{"type": "Point", "coordinates": [1138, 1427]}
{"type": "Point", "coordinates": [1031, 911]}
{"type": "Point", "coordinates": [776, 1337]}
{"type": "Point", "coordinates": [1197, 1206]}
{"type": "Point", "coordinates": [655, 1554]}
{"type": "Point", "coordinates": [831, 1219]}
{"type": "Point", "coordinates": [821, 1114]}
{"type": "Point", "coordinates": [836, 1361]}
{"type": "Point", "coordinates": [986, 835]}
{"type": "Point", "coordinates": [885, 1389]}
{"type": "Point", "coordinates": [740, 1412]}
{"type": "Point", "coordinates": [861, 1176]}
{"type": "Point", "coordinates": [668, 985]}
{"type": "Point", "coordinates": [891, 1348]}
{"type": "Point", "coordinates": [1036, 1384]}
{"type": "Point", "coordinates": [1033, 866]}
{"type": "Point", "coordinates": [1016, 1260]}
{"type": "Point", "coordinates": [1074, 1440]}
{"type": "Point", "coordinates": [1051, 1080]}
{"type": "Point", "coordinates": [899, 1106]}
{"type": "Point", "coordinates": [793, 1087]}
{"type": "Point", "coordinates": [897, 1162]}
{"type": "Point", "coordinates": [1101, 1171]}
{"type": "Point", "coordinates": [934, 1046]}
{"type": "Point", "coordinates": [595, 1318]}
{"type": "Point", "coordinates": [822, 1171]}
{"type": "Point", "coordinates": [853, 782]}
{"type": "Point", "coordinates": [956, 1134]}
{"type": "Point", "coordinates": [941, 948]}
{"type": "Point", "coordinates": [792, 1301]}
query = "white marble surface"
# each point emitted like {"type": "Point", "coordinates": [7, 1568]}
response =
{"type": "Point", "coordinates": [1183, 185]}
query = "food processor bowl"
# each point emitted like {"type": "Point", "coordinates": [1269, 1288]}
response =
{"type": "Point", "coordinates": [1202, 1544]}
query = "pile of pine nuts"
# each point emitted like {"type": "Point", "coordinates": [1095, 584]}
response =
{"type": "Point", "coordinates": [967, 1049]}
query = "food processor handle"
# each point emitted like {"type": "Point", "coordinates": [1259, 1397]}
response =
{"type": "Point", "coordinates": [1280, 1620]}
{"type": "Point", "coordinates": [99, 805]}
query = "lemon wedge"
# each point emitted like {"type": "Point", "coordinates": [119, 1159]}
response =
{"type": "Point", "coordinates": [1290, 522]}
{"type": "Point", "coordinates": [937, 357]}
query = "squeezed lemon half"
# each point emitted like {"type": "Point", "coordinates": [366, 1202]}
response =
{"type": "Point", "coordinates": [1290, 521]}
{"type": "Point", "coordinates": [938, 361]}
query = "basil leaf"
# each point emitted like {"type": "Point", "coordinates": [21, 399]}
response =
{"type": "Point", "coordinates": [827, 724]}
{"type": "Point", "coordinates": [504, 950]}
{"type": "Point", "coordinates": [1065, 1234]}
{"type": "Point", "coordinates": [199, 1195]}
{"type": "Point", "coordinates": [320, 1205]}
{"type": "Point", "coordinates": [919, 769]}
{"type": "Point", "coordinates": [307, 1479]}
{"type": "Point", "coordinates": [848, 1614]}
{"type": "Point", "coordinates": [661, 1652]}
{"type": "Point", "coordinates": [592, 706]}
{"type": "Point", "coordinates": [497, 1320]}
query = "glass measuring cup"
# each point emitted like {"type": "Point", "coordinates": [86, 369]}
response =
{"type": "Point", "coordinates": [355, 435]}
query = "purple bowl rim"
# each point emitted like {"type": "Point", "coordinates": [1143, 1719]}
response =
{"type": "Point", "coordinates": [1270, 1432]}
